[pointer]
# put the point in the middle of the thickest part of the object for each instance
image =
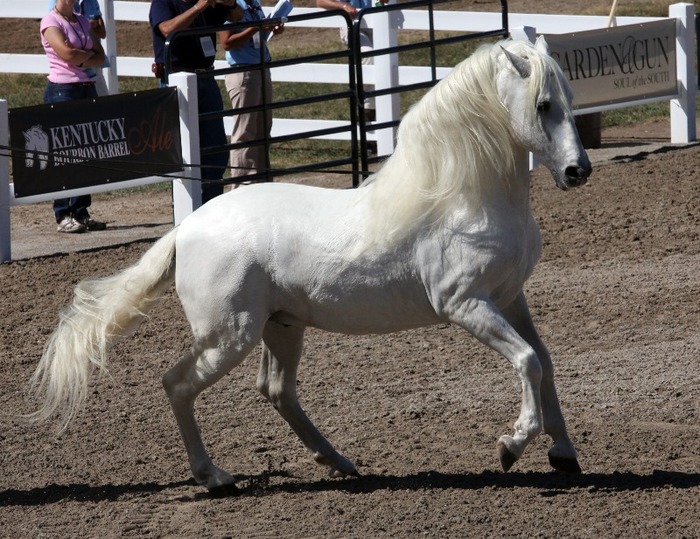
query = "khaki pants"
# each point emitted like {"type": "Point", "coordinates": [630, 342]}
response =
{"type": "Point", "coordinates": [246, 89]}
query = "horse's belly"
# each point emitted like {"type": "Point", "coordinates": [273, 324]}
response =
{"type": "Point", "coordinates": [359, 309]}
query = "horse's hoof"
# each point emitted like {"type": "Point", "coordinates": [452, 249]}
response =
{"type": "Point", "coordinates": [224, 491]}
{"type": "Point", "coordinates": [506, 456]}
{"type": "Point", "coordinates": [336, 473]}
{"type": "Point", "coordinates": [563, 464]}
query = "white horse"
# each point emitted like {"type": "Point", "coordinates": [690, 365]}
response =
{"type": "Point", "coordinates": [442, 233]}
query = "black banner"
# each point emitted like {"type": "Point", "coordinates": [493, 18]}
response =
{"type": "Point", "coordinates": [88, 142]}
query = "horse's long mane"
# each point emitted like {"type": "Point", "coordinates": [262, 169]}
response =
{"type": "Point", "coordinates": [452, 146]}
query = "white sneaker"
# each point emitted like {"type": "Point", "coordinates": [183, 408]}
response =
{"type": "Point", "coordinates": [70, 226]}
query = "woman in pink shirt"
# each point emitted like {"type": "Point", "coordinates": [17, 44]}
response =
{"type": "Point", "coordinates": [71, 47]}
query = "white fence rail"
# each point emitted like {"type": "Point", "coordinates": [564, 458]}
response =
{"type": "Point", "coordinates": [682, 105]}
{"type": "Point", "coordinates": [116, 10]}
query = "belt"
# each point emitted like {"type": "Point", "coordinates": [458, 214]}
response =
{"type": "Point", "coordinates": [196, 70]}
{"type": "Point", "coordinates": [91, 83]}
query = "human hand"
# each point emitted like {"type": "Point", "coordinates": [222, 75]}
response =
{"type": "Point", "coordinates": [349, 9]}
{"type": "Point", "coordinates": [201, 5]}
{"type": "Point", "coordinates": [275, 29]}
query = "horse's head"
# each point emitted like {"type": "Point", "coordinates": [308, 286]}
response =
{"type": "Point", "coordinates": [537, 95]}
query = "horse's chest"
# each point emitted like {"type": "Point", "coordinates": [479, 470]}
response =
{"type": "Point", "coordinates": [515, 262]}
{"type": "Point", "coordinates": [496, 265]}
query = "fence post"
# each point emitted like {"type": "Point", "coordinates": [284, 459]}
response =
{"type": "Point", "coordinates": [5, 232]}
{"type": "Point", "coordinates": [386, 75]}
{"type": "Point", "coordinates": [524, 33]}
{"type": "Point", "coordinates": [187, 194]}
{"type": "Point", "coordinates": [110, 46]}
{"type": "Point", "coordinates": [683, 109]}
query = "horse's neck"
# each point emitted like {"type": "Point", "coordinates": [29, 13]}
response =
{"type": "Point", "coordinates": [514, 192]}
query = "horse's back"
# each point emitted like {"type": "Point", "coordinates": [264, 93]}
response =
{"type": "Point", "coordinates": [258, 216]}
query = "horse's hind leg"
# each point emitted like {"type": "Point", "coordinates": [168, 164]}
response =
{"type": "Point", "coordinates": [562, 455]}
{"type": "Point", "coordinates": [277, 377]}
{"type": "Point", "coordinates": [199, 369]}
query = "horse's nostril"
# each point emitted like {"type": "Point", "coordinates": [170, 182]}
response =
{"type": "Point", "coordinates": [577, 174]}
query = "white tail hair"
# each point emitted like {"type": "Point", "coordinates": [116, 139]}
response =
{"type": "Point", "coordinates": [103, 310]}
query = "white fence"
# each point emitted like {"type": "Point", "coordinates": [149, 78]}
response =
{"type": "Point", "coordinates": [682, 107]}
{"type": "Point", "coordinates": [383, 74]}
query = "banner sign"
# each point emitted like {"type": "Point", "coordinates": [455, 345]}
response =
{"type": "Point", "coordinates": [87, 142]}
{"type": "Point", "coordinates": [618, 64]}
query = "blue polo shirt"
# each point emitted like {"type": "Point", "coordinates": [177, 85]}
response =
{"type": "Point", "coordinates": [249, 54]}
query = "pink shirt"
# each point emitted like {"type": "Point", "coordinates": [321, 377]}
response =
{"type": "Point", "coordinates": [77, 35]}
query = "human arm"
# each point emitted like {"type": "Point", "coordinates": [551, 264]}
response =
{"type": "Point", "coordinates": [232, 40]}
{"type": "Point", "coordinates": [337, 4]}
{"type": "Point", "coordinates": [77, 57]}
{"type": "Point", "coordinates": [186, 18]}
{"type": "Point", "coordinates": [229, 39]}
{"type": "Point", "coordinates": [98, 27]}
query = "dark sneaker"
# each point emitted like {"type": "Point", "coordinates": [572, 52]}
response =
{"type": "Point", "coordinates": [90, 224]}
{"type": "Point", "coordinates": [70, 226]}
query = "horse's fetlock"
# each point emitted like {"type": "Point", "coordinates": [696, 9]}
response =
{"type": "Point", "coordinates": [321, 459]}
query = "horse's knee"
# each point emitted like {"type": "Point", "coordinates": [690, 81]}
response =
{"type": "Point", "coordinates": [529, 367]}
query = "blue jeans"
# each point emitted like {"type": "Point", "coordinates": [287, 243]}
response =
{"type": "Point", "coordinates": [76, 207]}
{"type": "Point", "coordinates": [211, 133]}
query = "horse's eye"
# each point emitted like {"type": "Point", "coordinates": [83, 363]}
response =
{"type": "Point", "coordinates": [543, 106]}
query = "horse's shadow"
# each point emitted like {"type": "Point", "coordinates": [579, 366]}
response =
{"type": "Point", "coordinates": [549, 484]}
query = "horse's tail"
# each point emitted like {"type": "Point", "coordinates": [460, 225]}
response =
{"type": "Point", "coordinates": [103, 310]}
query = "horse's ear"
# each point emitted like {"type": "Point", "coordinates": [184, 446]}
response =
{"type": "Point", "coordinates": [521, 65]}
{"type": "Point", "coordinates": [541, 45]}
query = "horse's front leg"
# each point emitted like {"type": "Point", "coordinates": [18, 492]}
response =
{"type": "Point", "coordinates": [562, 455]}
{"type": "Point", "coordinates": [480, 317]}
{"type": "Point", "coordinates": [277, 378]}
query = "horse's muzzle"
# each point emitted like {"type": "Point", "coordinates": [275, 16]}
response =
{"type": "Point", "coordinates": [575, 176]}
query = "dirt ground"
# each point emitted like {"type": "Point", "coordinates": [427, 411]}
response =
{"type": "Point", "coordinates": [615, 298]}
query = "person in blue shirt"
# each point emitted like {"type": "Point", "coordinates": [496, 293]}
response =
{"type": "Point", "coordinates": [91, 10]}
{"type": "Point", "coordinates": [195, 54]}
{"type": "Point", "coordinates": [351, 7]}
{"type": "Point", "coordinates": [247, 47]}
